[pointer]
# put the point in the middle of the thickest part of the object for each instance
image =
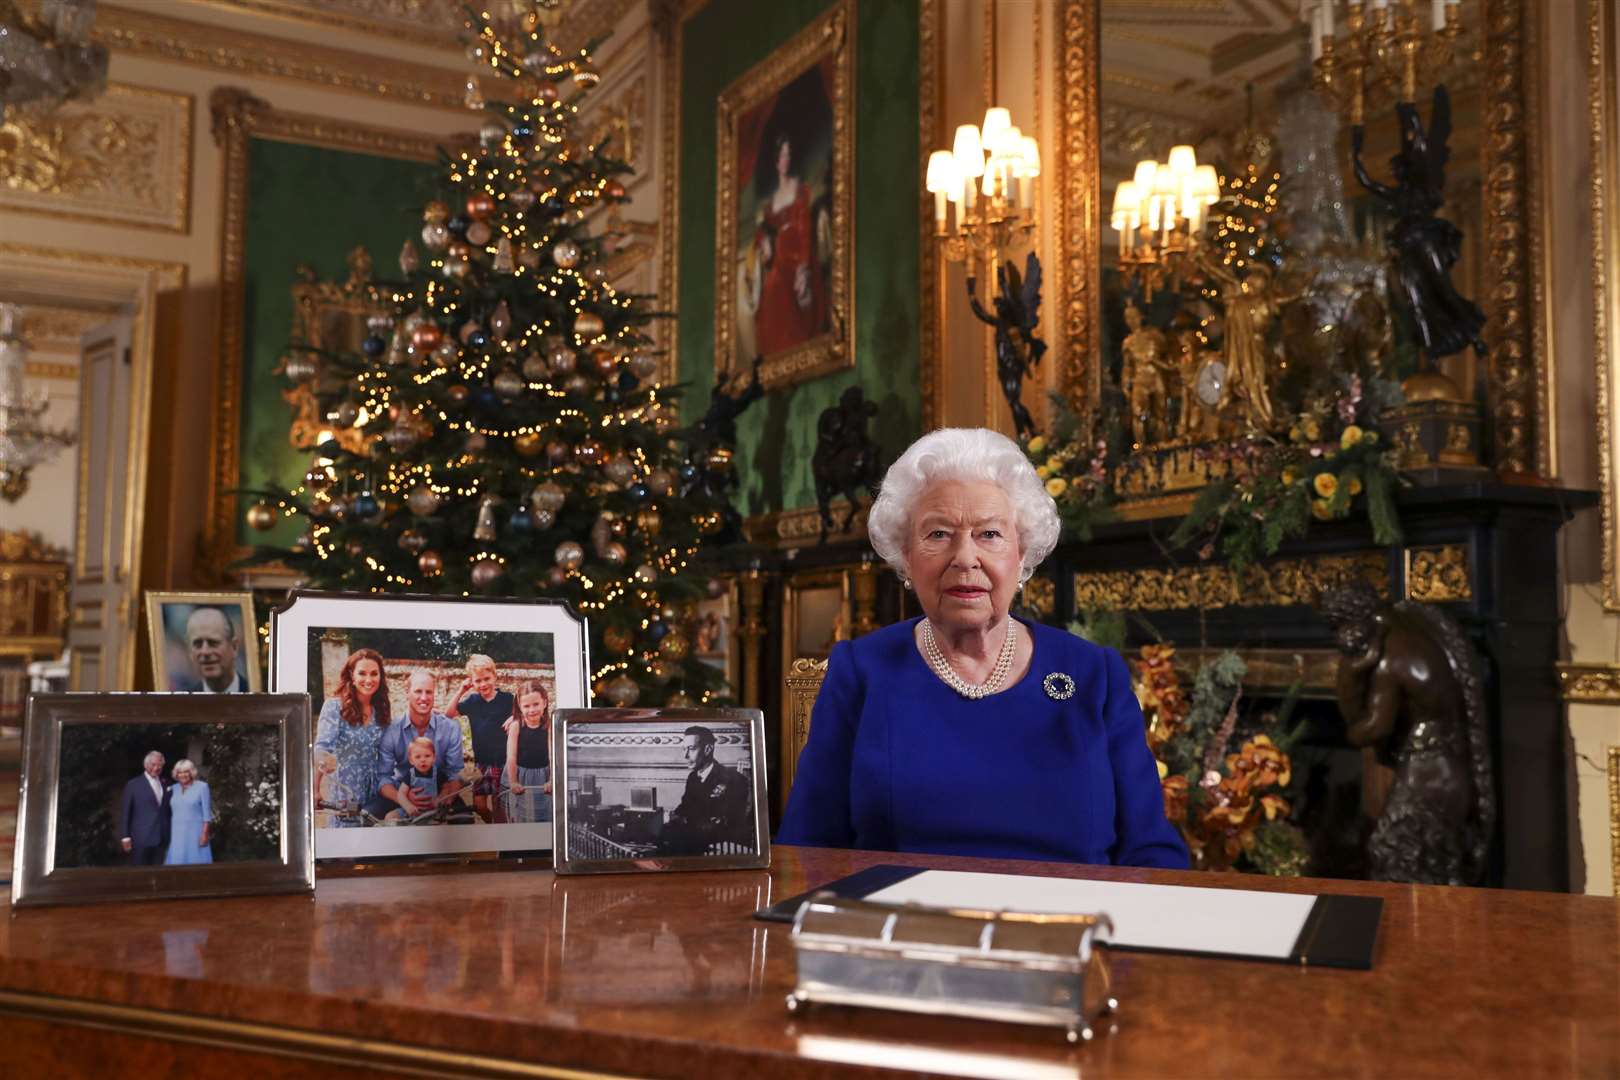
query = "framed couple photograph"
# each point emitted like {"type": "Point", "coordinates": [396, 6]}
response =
{"type": "Point", "coordinates": [431, 717]}
{"type": "Point", "coordinates": [148, 796]}
{"type": "Point", "coordinates": [660, 789]}
{"type": "Point", "coordinates": [203, 642]}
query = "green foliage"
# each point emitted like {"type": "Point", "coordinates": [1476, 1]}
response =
{"type": "Point", "coordinates": [1214, 687]}
{"type": "Point", "coordinates": [1280, 849]}
{"type": "Point", "coordinates": [1100, 626]}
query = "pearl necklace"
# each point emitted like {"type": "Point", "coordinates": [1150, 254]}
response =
{"type": "Point", "coordinates": [972, 691]}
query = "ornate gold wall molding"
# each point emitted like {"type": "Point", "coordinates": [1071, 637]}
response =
{"type": "Point", "coordinates": [1278, 583]}
{"type": "Point", "coordinates": [668, 24]}
{"type": "Point", "coordinates": [802, 527]}
{"type": "Point", "coordinates": [1597, 684]}
{"type": "Point", "coordinates": [1518, 392]}
{"type": "Point", "coordinates": [1438, 574]}
{"type": "Point", "coordinates": [1079, 227]}
{"type": "Point", "coordinates": [1603, 75]}
{"type": "Point", "coordinates": [124, 157]}
{"type": "Point", "coordinates": [429, 23]}
{"type": "Point", "coordinates": [1614, 816]}
{"type": "Point", "coordinates": [237, 118]}
{"type": "Point", "coordinates": [931, 286]}
{"type": "Point", "coordinates": [141, 32]}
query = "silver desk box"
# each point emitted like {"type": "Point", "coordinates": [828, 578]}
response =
{"type": "Point", "coordinates": [1023, 968]}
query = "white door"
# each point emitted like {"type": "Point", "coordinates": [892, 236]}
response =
{"type": "Point", "coordinates": [102, 605]}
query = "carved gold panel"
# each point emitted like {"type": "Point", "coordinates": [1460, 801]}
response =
{"type": "Point", "coordinates": [802, 683]}
{"type": "Point", "coordinates": [1614, 815]}
{"type": "Point", "coordinates": [124, 157]}
{"type": "Point", "coordinates": [1279, 583]}
{"type": "Point", "coordinates": [1438, 574]}
{"type": "Point", "coordinates": [1595, 684]}
{"type": "Point", "coordinates": [802, 527]}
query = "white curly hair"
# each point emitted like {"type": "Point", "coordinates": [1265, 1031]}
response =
{"type": "Point", "coordinates": [970, 454]}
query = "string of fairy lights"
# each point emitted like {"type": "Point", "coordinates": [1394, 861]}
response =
{"type": "Point", "coordinates": [509, 335]}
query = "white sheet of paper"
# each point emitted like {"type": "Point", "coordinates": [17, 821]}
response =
{"type": "Point", "coordinates": [1177, 918]}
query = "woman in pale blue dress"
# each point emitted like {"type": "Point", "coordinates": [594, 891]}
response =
{"type": "Point", "coordinates": [347, 736]}
{"type": "Point", "coordinates": [191, 818]}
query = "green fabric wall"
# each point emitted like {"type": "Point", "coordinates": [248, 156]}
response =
{"type": "Point", "coordinates": [310, 205]}
{"type": "Point", "coordinates": [776, 436]}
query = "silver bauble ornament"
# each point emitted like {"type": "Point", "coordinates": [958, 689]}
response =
{"type": "Point", "coordinates": [569, 555]}
{"type": "Point", "coordinates": [423, 501]}
{"type": "Point", "coordinates": [619, 470]}
{"type": "Point", "coordinates": [408, 259]}
{"type": "Point", "coordinates": [522, 198]}
{"type": "Point", "coordinates": [577, 384]}
{"type": "Point", "coordinates": [508, 384]}
{"type": "Point", "coordinates": [548, 496]}
{"type": "Point", "coordinates": [588, 325]}
{"type": "Point", "coordinates": [565, 253]}
{"type": "Point", "coordinates": [643, 365]}
{"type": "Point", "coordinates": [621, 691]}
{"type": "Point", "coordinates": [435, 236]}
{"type": "Point", "coordinates": [543, 519]}
{"type": "Point", "coordinates": [561, 359]}
{"type": "Point", "coordinates": [534, 368]}
{"type": "Point", "coordinates": [486, 572]}
{"type": "Point", "coordinates": [478, 233]}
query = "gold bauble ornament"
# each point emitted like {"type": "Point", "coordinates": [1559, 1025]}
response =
{"type": "Point", "coordinates": [679, 700]}
{"type": "Point", "coordinates": [618, 639]}
{"type": "Point", "coordinates": [674, 646]}
{"type": "Point", "coordinates": [621, 691]}
{"type": "Point", "coordinates": [662, 671]}
{"type": "Point", "coordinates": [588, 325]}
{"type": "Point", "coordinates": [649, 521]}
{"type": "Point", "coordinates": [261, 516]}
{"type": "Point", "coordinates": [528, 444]}
{"type": "Point", "coordinates": [430, 563]}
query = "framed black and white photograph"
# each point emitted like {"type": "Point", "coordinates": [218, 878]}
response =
{"type": "Point", "coordinates": [203, 642]}
{"type": "Point", "coordinates": [432, 717]}
{"type": "Point", "coordinates": [145, 796]}
{"type": "Point", "coordinates": [660, 789]}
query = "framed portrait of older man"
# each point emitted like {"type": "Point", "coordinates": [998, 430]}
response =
{"type": "Point", "coordinates": [785, 217]}
{"type": "Point", "coordinates": [431, 717]}
{"type": "Point", "coordinates": [204, 642]}
{"type": "Point", "coordinates": [143, 796]}
{"type": "Point", "coordinates": [660, 789]}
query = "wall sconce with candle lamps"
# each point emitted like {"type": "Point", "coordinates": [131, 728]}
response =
{"type": "Point", "coordinates": [1375, 48]}
{"type": "Point", "coordinates": [1160, 213]}
{"type": "Point", "coordinates": [988, 177]}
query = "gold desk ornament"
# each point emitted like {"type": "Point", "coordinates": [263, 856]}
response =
{"type": "Point", "coordinates": [1016, 967]}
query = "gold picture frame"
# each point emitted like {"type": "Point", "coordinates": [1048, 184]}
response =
{"type": "Point", "coordinates": [815, 614]}
{"type": "Point", "coordinates": [167, 616]}
{"type": "Point", "coordinates": [793, 264]}
{"type": "Point", "coordinates": [238, 119]}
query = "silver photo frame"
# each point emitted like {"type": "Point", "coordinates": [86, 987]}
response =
{"type": "Point", "coordinates": [468, 803]}
{"type": "Point", "coordinates": [85, 761]}
{"type": "Point", "coordinates": [659, 789]}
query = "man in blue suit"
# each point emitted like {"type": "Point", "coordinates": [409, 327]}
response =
{"type": "Point", "coordinates": [143, 820]}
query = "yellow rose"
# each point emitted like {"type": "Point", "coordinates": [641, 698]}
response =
{"type": "Point", "coordinates": [1312, 429]}
{"type": "Point", "coordinates": [1037, 444]}
{"type": "Point", "coordinates": [1355, 485]}
{"type": "Point", "coordinates": [1055, 463]}
{"type": "Point", "coordinates": [1056, 486]}
{"type": "Point", "coordinates": [1351, 436]}
{"type": "Point", "coordinates": [1042, 471]}
{"type": "Point", "coordinates": [1325, 484]}
{"type": "Point", "coordinates": [1319, 510]}
{"type": "Point", "coordinates": [1288, 477]}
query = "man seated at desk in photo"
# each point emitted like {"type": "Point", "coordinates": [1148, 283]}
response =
{"type": "Point", "coordinates": [212, 644]}
{"type": "Point", "coordinates": [422, 721]}
{"type": "Point", "coordinates": [714, 806]}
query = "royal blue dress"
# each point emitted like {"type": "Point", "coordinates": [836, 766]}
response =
{"type": "Point", "coordinates": [898, 761]}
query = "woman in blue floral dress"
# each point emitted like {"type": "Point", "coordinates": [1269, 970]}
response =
{"type": "Point", "coordinates": [347, 735]}
{"type": "Point", "coordinates": [191, 818]}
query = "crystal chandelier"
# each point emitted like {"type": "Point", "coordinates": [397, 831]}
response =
{"type": "Point", "coordinates": [24, 441]}
{"type": "Point", "coordinates": [49, 59]}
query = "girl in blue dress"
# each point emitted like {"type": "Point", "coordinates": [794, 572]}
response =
{"type": "Point", "coordinates": [191, 818]}
{"type": "Point", "coordinates": [347, 736]}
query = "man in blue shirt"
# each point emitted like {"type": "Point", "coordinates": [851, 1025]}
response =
{"type": "Point", "coordinates": [422, 721]}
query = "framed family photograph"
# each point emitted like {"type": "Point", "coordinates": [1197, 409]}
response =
{"type": "Point", "coordinates": [431, 717]}
{"type": "Point", "coordinates": [660, 789]}
{"type": "Point", "coordinates": [144, 796]}
{"type": "Point", "coordinates": [785, 219]}
{"type": "Point", "coordinates": [203, 642]}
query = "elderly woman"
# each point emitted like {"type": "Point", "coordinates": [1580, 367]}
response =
{"type": "Point", "coordinates": [968, 732]}
{"type": "Point", "coordinates": [191, 818]}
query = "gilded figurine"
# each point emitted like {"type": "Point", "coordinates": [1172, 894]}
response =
{"type": "Point", "coordinates": [1251, 305]}
{"type": "Point", "coordinates": [1409, 686]}
{"type": "Point", "coordinates": [1147, 366]}
{"type": "Point", "coordinates": [1018, 314]}
{"type": "Point", "coordinates": [1424, 246]}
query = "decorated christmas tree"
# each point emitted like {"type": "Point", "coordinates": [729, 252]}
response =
{"type": "Point", "coordinates": [501, 430]}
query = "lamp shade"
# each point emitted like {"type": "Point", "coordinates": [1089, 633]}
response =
{"type": "Point", "coordinates": [942, 172]}
{"type": "Point", "coordinates": [1127, 210]}
{"type": "Point", "coordinates": [996, 121]}
{"type": "Point", "coordinates": [1146, 169]}
{"type": "Point", "coordinates": [968, 151]}
{"type": "Point", "coordinates": [1182, 161]}
{"type": "Point", "coordinates": [1032, 157]}
{"type": "Point", "coordinates": [1205, 187]}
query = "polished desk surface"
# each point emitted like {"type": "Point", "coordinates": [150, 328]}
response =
{"type": "Point", "coordinates": [667, 975]}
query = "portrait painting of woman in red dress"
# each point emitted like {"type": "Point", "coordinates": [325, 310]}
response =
{"type": "Point", "coordinates": [784, 217]}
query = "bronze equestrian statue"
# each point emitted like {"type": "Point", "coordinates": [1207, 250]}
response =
{"type": "Point", "coordinates": [846, 458]}
{"type": "Point", "coordinates": [1409, 685]}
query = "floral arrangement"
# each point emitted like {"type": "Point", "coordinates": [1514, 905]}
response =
{"type": "Point", "coordinates": [1278, 487]}
{"type": "Point", "coordinates": [1077, 465]}
{"type": "Point", "coordinates": [1230, 806]}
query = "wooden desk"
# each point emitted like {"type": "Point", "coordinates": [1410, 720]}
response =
{"type": "Point", "coordinates": [520, 973]}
